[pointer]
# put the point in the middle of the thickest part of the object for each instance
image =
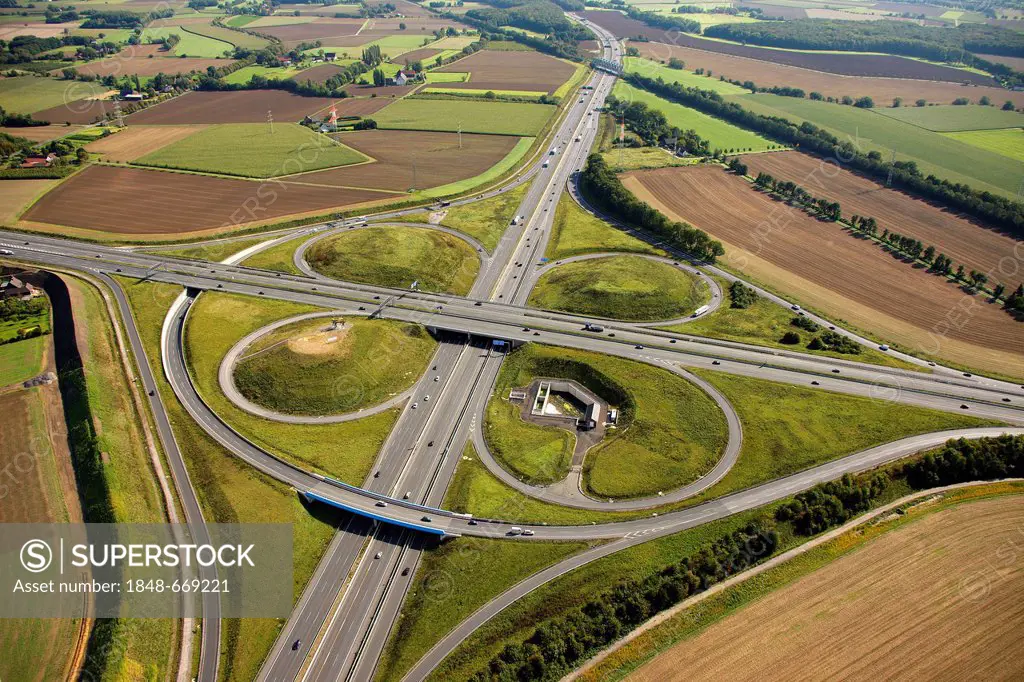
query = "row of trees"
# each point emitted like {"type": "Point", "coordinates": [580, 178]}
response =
{"type": "Point", "coordinates": [998, 210]}
{"type": "Point", "coordinates": [123, 19]}
{"type": "Point", "coordinates": [561, 40]}
{"type": "Point", "coordinates": [798, 196]}
{"type": "Point", "coordinates": [603, 187]}
{"type": "Point", "coordinates": [562, 642]}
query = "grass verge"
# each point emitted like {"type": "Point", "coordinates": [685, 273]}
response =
{"type": "Point", "coordinates": [576, 232]}
{"type": "Point", "coordinates": [486, 220]}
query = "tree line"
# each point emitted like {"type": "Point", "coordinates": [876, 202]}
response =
{"type": "Point", "coordinates": [561, 643]}
{"type": "Point", "coordinates": [998, 210]}
{"type": "Point", "coordinates": [603, 187]}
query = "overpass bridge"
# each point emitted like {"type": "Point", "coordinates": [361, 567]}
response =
{"type": "Point", "coordinates": [607, 66]}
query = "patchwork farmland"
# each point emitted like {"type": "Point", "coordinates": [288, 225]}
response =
{"type": "Point", "coordinates": [241, 106]}
{"type": "Point", "coordinates": [493, 70]}
{"type": "Point", "coordinates": [821, 265]}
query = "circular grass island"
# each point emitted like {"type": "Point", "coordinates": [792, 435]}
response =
{"type": "Point", "coordinates": [314, 367]}
{"type": "Point", "coordinates": [631, 288]}
{"type": "Point", "coordinates": [396, 257]}
{"type": "Point", "coordinates": [669, 432]}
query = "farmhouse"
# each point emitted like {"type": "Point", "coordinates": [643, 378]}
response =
{"type": "Point", "coordinates": [330, 56]}
{"type": "Point", "coordinates": [15, 287]}
{"type": "Point", "coordinates": [39, 161]}
{"type": "Point", "coordinates": [404, 76]}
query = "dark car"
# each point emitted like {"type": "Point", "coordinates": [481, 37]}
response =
{"type": "Point", "coordinates": [295, 644]}
{"type": "Point", "coordinates": [405, 571]}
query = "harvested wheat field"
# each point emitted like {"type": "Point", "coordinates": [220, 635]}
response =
{"type": "Point", "coordinates": [137, 141]}
{"type": "Point", "coordinates": [934, 600]}
{"type": "Point", "coordinates": [240, 106]}
{"type": "Point", "coordinates": [15, 195]}
{"type": "Point", "coordinates": [967, 242]}
{"type": "Point", "coordinates": [132, 201]}
{"type": "Point", "coordinates": [494, 70]}
{"type": "Point", "coordinates": [41, 133]}
{"type": "Point", "coordinates": [437, 155]}
{"type": "Point", "coordinates": [424, 54]}
{"type": "Point", "coordinates": [424, 25]}
{"type": "Point", "coordinates": [844, 277]}
{"type": "Point", "coordinates": [770, 74]}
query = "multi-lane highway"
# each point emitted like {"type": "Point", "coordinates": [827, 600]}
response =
{"type": "Point", "coordinates": [343, 619]}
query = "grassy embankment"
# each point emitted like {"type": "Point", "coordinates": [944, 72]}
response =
{"type": "Point", "coordinates": [396, 257]}
{"type": "Point", "coordinates": [621, 288]}
{"type": "Point", "coordinates": [669, 432]}
{"type": "Point", "coordinates": [207, 341]}
{"type": "Point", "coordinates": [785, 429]}
{"type": "Point", "coordinates": [576, 232]}
{"type": "Point", "coordinates": [230, 491]}
{"type": "Point", "coordinates": [303, 369]}
{"type": "Point", "coordinates": [484, 220]}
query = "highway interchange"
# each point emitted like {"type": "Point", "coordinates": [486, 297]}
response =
{"type": "Point", "coordinates": [346, 613]}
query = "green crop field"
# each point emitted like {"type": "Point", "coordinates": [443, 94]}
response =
{"type": "Point", "coordinates": [397, 256]}
{"type": "Point", "coordinates": [622, 159]}
{"type": "Point", "coordinates": [446, 77]}
{"type": "Point", "coordinates": [252, 150]}
{"type": "Point", "coordinates": [471, 92]}
{"type": "Point", "coordinates": [21, 360]}
{"type": "Point", "coordinates": [474, 116]}
{"type": "Point", "coordinates": [670, 432]}
{"type": "Point", "coordinates": [190, 45]}
{"type": "Point", "coordinates": [948, 118]}
{"type": "Point", "coordinates": [718, 133]}
{"type": "Point", "coordinates": [1008, 142]}
{"type": "Point", "coordinates": [312, 368]}
{"type": "Point", "coordinates": [934, 153]}
{"type": "Point", "coordinates": [622, 288]}
{"type": "Point", "coordinates": [28, 94]}
{"type": "Point", "coordinates": [653, 69]}
{"type": "Point", "coordinates": [398, 43]}
{"type": "Point", "coordinates": [576, 232]}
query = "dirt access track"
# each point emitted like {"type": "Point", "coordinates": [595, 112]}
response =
{"type": "Point", "coordinates": [103, 201]}
{"type": "Point", "coordinates": [437, 156]}
{"type": "Point", "coordinates": [496, 70]}
{"type": "Point", "coordinates": [895, 608]}
{"type": "Point", "coordinates": [238, 106]}
{"type": "Point", "coordinates": [825, 267]}
{"type": "Point", "coordinates": [973, 244]}
{"type": "Point", "coordinates": [849, 64]}
{"type": "Point", "coordinates": [769, 74]}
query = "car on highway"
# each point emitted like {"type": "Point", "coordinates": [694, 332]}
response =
{"type": "Point", "coordinates": [426, 519]}
{"type": "Point", "coordinates": [381, 503]}
{"type": "Point", "coordinates": [295, 644]}
{"type": "Point", "coordinates": [378, 555]}
{"type": "Point", "coordinates": [426, 398]}
{"type": "Point", "coordinates": [639, 346]}
{"type": "Point", "coordinates": [415, 405]}
{"type": "Point", "coordinates": [405, 571]}
{"type": "Point", "coordinates": [794, 307]}
{"type": "Point", "coordinates": [6, 252]}
{"type": "Point", "coordinates": [527, 532]}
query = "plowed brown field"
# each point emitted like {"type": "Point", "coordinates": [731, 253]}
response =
{"type": "Point", "coordinates": [147, 60]}
{"type": "Point", "coordinates": [437, 156]}
{"type": "Point", "coordinates": [240, 106]}
{"type": "Point", "coordinates": [80, 111]}
{"type": "Point", "coordinates": [137, 141]}
{"type": "Point", "coordinates": [426, 54]}
{"type": "Point", "coordinates": [323, 30]}
{"type": "Point", "coordinates": [936, 600]}
{"type": "Point", "coordinates": [137, 202]}
{"type": "Point", "coordinates": [824, 267]}
{"type": "Point", "coordinates": [769, 74]}
{"type": "Point", "coordinates": [964, 241]}
{"type": "Point", "coordinates": [851, 64]}
{"type": "Point", "coordinates": [494, 70]}
{"type": "Point", "coordinates": [391, 91]}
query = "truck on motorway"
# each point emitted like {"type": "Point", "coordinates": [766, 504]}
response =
{"type": "Point", "coordinates": [590, 327]}
{"type": "Point", "coordinates": [700, 311]}
{"type": "Point", "coordinates": [6, 252]}
{"type": "Point", "coordinates": [515, 530]}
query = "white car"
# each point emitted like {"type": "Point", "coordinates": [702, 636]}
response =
{"type": "Point", "coordinates": [6, 252]}
{"type": "Point", "coordinates": [426, 398]}
{"type": "Point", "coordinates": [415, 405]}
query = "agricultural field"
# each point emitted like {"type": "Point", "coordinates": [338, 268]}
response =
{"type": "Point", "coordinates": [404, 160]}
{"type": "Point", "coordinates": [173, 204]}
{"type": "Point", "coordinates": [29, 94]}
{"type": "Point", "coordinates": [189, 44]}
{"type": "Point", "coordinates": [16, 195]}
{"type": "Point", "coordinates": [964, 240]}
{"type": "Point", "coordinates": [651, 69]}
{"type": "Point", "coordinates": [295, 369]}
{"type": "Point", "coordinates": [41, 133]}
{"type": "Point", "coordinates": [492, 70]}
{"type": "Point", "coordinates": [847, 63]}
{"type": "Point", "coordinates": [768, 73]}
{"type": "Point", "coordinates": [858, 598]}
{"type": "Point", "coordinates": [497, 118]}
{"type": "Point", "coordinates": [131, 143]}
{"type": "Point", "coordinates": [837, 274]}
{"type": "Point", "coordinates": [719, 133]}
{"type": "Point", "coordinates": [1008, 142]}
{"type": "Point", "coordinates": [253, 150]}
{"type": "Point", "coordinates": [149, 60]}
{"type": "Point", "coordinates": [240, 106]}
{"type": "Point", "coordinates": [396, 257]}
{"type": "Point", "coordinates": [245, 74]}
{"type": "Point", "coordinates": [621, 288]}
{"type": "Point", "coordinates": [330, 32]}
{"type": "Point", "coordinates": [934, 153]}
{"type": "Point", "coordinates": [636, 158]}
{"type": "Point", "coordinates": [236, 38]}
{"type": "Point", "coordinates": [952, 118]}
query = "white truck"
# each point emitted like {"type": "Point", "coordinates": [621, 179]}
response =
{"type": "Point", "coordinates": [700, 311]}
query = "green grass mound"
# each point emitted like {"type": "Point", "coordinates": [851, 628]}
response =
{"type": "Point", "coordinates": [669, 432]}
{"type": "Point", "coordinates": [305, 368]}
{"type": "Point", "coordinates": [621, 288]}
{"type": "Point", "coordinates": [254, 150]}
{"type": "Point", "coordinates": [397, 256]}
